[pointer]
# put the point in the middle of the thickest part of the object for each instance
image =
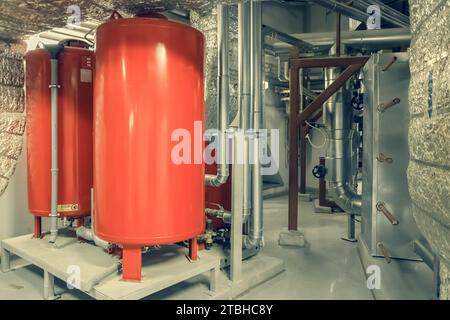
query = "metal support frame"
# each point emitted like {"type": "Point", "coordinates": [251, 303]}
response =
{"type": "Point", "coordinates": [313, 110]}
{"type": "Point", "coordinates": [49, 286]}
{"type": "Point", "coordinates": [6, 263]}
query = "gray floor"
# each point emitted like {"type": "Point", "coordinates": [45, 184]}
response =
{"type": "Point", "coordinates": [328, 268]}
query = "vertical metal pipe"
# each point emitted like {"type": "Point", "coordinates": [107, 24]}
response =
{"type": "Point", "coordinates": [338, 117]}
{"type": "Point", "coordinates": [236, 216]}
{"type": "Point", "coordinates": [437, 277]}
{"type": "Point", "coordinates": [255, 230]}
{"type": "Point", "coordinates": [245, 95]}
{"type": "Point", "coordinates": [223, 97]}
{"type": "Point", "coordinates": [338, 35]}
{"type": "Point", "coordinates": [322, 186]}
{"type": "Point", "coordinates": [351, 235]}
{"type": "Point", "coordinates": [54, 133]}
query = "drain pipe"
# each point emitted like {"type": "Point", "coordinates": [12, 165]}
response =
{"type": "Point", "coordinates": [255, 230]}
{"type": "Point", "coordinates": [89, 233]}
{"type": "Point", "coordinates": [223, 86]}
{"type": "Point", "coordinates": [54, 51]}
{"type": "Point", "coordinates": [338, 118]}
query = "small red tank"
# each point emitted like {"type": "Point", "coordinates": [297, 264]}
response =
{"type": "Point", "coordinates": [75, 72]}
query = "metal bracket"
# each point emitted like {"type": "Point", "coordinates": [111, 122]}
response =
{"type": "Point", "coordinates": [383, 158]}
{"type": "Point", "coordinates": [386, 105]}
{"type": "Point", "coordinates": [385, 252]}
{"type": "Point", "coordinates": [390, 64]}
{"type": "Point", "coordinates": [381, 207]}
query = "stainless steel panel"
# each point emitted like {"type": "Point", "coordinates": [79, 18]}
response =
{"type": "Point", "coordinates": [384, 182]}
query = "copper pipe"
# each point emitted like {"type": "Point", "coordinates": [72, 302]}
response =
{"type": "Point", "coordinates": [381, 207]}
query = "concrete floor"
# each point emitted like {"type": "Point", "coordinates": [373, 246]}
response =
{"type": "Point", "coordinates": [328, 268]}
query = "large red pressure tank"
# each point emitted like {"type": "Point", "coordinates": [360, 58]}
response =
{"type": "Point", "coordinates": [75, 110]}
{"type": "Point", "coordinates": [149, 85]}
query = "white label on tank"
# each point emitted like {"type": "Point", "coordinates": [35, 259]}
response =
{"type": "Point", "coordinates": [68, 207]}
{"type": "Point", "coordinates": [86, 75]}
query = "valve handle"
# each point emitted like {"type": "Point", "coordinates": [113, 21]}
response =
{"type": "Point", "coordinates": [319, 171]}
{"type": "Point", "coordinates": [357, 103]}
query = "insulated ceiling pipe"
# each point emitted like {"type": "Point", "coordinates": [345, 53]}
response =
{"type": "Point", "coordinates": [356, 14]}
{"type": "Point", "coordinates": [389, 13]}
{"type": "Point", "coordinates": [338, 117]}
{"type": "Point", "coordinates": [255, 224]}
{"type": "Point", "coordinates": [394, 37]}
{"type": "Point", "coordinates": [223, 98]}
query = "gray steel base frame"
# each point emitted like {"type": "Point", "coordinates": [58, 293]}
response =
{"type": "Point", "coordinates": [98, 271]}
{"type": "Point", "coordinates": [167, 268]}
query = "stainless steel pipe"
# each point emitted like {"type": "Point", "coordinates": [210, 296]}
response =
{"type": "Point", "coordinates": [54, 87]}
{"type": "Point", "coordinates": [338, 117]}
{"type": "Point", "coordinates": [245, 97]}
{"type": "Point", "coordinates": [255, 224]}
{"type": "Point", "coordinates": [223, 97]}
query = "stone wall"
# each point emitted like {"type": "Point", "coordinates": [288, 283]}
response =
{"type": "Point", "coordinates": [429, 137]}
{"type": "Point", "coordinates": [12, 107]}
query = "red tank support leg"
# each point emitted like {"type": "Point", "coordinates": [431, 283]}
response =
{"type": "Point", "coordinates": [37, 227]}
{"type": "Point", "coordinates": [193, 249]}
{"type": "Point", "coordinates": [131, 263]}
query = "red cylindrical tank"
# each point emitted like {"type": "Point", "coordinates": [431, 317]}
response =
{"type": "Point", "coordinates": [149, 86]}
{"type": "Point", "coordinates": [75, 144]}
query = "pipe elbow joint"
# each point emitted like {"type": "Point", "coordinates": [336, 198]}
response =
{"type": "Point", "coordinates": [216, 180]}
{"type": "Point", "coordinates": [347, 199]}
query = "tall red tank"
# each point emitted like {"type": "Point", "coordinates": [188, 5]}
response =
{"type": "Point", "coordinates": [149, 82]}
{"type": "Point", "coordinates": [75, 111]}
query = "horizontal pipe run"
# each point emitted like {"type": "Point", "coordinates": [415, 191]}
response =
{"type": "Point", "coordinates": [89, 235]}
{"type": "Point", "coordinates": [359, 15]}
{"type": "Point", "coordinates": [225, 216]}
{"type": "Point", "coordinates": [393, 37]}
{"type": "Point", "coordinates": [300, 44]}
